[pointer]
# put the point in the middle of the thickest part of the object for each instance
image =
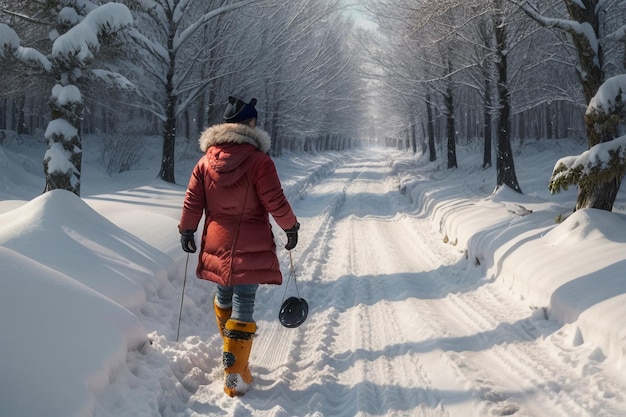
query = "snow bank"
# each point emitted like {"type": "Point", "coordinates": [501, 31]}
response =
{"type": "Point", "coordinates": [573, 269]}
{"type": "Point", "coordinates": [60, 340]}
{"type": "Point", "coordinates": [58, 226]}
{"type": "Point", "coordinates": [64, 334]}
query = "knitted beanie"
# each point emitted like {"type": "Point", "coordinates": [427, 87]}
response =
{"type": "Point", "coordinates": [238, 111]}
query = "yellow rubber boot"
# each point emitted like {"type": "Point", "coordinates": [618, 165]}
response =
{"type": "Point", "coordinates": [221, 316]}
{"type": "Point", "coordinates": [237, 346]}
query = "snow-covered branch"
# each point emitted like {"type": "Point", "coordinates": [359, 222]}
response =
{"type": "Point", "coordinates": [10, 48]}
{"type": "Point", "coordinates": [155, 49]}
{"type": "Point", "coordinates": [22, 16]}
{"type": "Point", "coordinates": [604, 161]}
{"type": "Point", "coordinates": [113, 79]}
{"type": "Point", "coordinates": [617, 35]}
{"type": "Point", "coordinates": [610, 99]}
{"type": "Point", "coordinates": [204, 19]}
{"type": "Point", "coordinates": [576, 28]}
{"type": "Point", "coordinates": [82, 40]}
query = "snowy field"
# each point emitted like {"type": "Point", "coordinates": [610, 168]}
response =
{"type": "Point", "coordinates": [429, 294]}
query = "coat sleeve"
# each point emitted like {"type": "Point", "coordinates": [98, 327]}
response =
{"type": "Point", "coordinates": [193, 205]}
{"type": "Point", "coordinates": [271, 194]}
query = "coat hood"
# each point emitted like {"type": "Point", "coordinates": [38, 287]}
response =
{"type": "Point", "coordinates": [234, 133]}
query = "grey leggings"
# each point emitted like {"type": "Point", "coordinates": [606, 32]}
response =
{"type": "Point", "coordinates": [241, 298]}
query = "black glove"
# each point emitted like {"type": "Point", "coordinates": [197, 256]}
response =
{"type": "Point", "coordinates": [292, 236]}
{"type": "Point", "coordinates": [188, 241]}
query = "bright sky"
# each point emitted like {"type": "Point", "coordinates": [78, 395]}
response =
{"type": "Point", "coordinates": [360, 15]}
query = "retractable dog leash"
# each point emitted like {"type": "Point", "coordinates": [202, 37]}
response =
{"type": "Point", "coordinates": [294, 310]}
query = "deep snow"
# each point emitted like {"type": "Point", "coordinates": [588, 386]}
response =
{"type": "Point", "coordinates": [515, 314]}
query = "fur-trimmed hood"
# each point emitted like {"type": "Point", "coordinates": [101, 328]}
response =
{"type": "Point", "coordinates": [234, 133]}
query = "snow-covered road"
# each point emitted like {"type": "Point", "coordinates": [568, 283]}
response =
{"type": "Point", "coordinates": [400, 324]}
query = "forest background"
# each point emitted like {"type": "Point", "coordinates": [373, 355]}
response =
{"type": "Point", "coordinates": [328, 74]}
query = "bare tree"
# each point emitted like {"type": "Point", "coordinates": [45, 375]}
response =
{"type": "Point", "coordinates": [166, 82]}
{"type": "Point", "coordinates": [505, 165]}
{"type": "Point", "coordinates": [307, 69]}
{"type": "Point", "coordinates": [285, 54]}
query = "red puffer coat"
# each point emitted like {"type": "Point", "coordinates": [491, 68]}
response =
{"type": "Point", "coordinates": [235, 185]}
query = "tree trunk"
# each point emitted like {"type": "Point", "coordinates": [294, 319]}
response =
{"type": "Point", "coordinates": [21, 116]}
{"type": "Point", "coordinates": [201, 111]}
{"type": "Point", "coordinates": [505, 166]}
{"type": "Point", "coordinates": [450, 125]}
{"type": "Point", "coordinates": [277, 148]}
{"type": "Point", "coordinates": [599, 196]}
{"type": "Point", "coordinates": [431, 130]}
{"type": "Point", "coordinates": [169, 143]}
{"type": "Point", "coordinates": [602, 195]}
{"type": "Point", "coordinates": [591, 64]}
{"type": "Point", "coordinates": [62, 119]}
{"type": "Point", "coordinates": [487, 125]}
{"type": "Point", "coordinates": [169, 128]}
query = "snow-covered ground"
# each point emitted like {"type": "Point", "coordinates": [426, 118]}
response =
{"type": "Point", "coordinates": [428, 294]}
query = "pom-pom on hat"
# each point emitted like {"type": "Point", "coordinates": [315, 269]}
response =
{"type": "Point", "coordinates": [238, 111]}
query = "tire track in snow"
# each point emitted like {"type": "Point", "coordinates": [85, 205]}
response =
{"type": "Point", "coordinates": [316, 223]}
{"type": "Point", "coordinates": [317, 220]}
{"type": "Point", "coordinates": [368, 326]}
{"type": "Point", "coordinates": [317, 349]}
{"type": "Point", "coordinates": [518, 364]}
{"type": "Point", "coordinates": [279, 353]}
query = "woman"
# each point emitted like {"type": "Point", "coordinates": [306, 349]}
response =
{"type": "Point", "coordinates": [235, 186]}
